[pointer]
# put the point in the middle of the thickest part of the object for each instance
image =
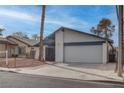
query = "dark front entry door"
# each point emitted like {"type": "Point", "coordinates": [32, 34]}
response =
{"type": "Point", "coordinates": [50, 54]}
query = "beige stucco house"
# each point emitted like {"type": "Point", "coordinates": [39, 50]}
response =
{"type": "Point", "coordinates": [7, 45]}
{"type": "Point", "coordinates": [63, 45]}
{"type": "Point", "coordinates": [69, 45]}
{"type": "Point", "coordinates": [25, 46]}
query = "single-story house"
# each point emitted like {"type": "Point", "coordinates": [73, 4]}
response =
{"type": "Point", "coordinates": [63, 45]}
{"type": "Point", "coordinates": [7, 45]}
{"type": "Point", "coordinates": [69, 45]}
{"type": "Point", "coordinates": [25, 46]}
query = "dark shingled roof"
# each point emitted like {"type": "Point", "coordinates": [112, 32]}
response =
{"type": "Point", "coordinates": [65, 28]}
{"type": "Point", "coordinates": [81, 32]}
{"type": "Point", "coordinates": [50, 37]}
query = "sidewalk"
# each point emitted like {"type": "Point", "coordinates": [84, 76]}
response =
{"type": "Point", "coordinates": [82, 72]}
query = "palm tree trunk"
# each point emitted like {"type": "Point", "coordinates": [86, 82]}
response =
{"type": "Point", "coordinates": [41, 34]}
{"type": "Point", "coordinates": [120, 53]}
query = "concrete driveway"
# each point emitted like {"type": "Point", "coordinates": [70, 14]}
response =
{"type": "Point", "coordinates": [74, 71]}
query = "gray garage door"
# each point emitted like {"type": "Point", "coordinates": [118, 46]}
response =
{"type": "Point", "coordinates": [83, 54]}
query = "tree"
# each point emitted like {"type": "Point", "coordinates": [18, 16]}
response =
{"type": "Point", "coordinates": [119, 11]}
{"type": "Point", "coordinates": [104, 29]}
{"type": "Point", "coordinates": [1, 30]}
{"type": "Point", "coordinates": [35, 37]}
{"type": "Point", "coordinates": [41, 33]}
{"type": "Point", "coordinates": [96, 31]}
{"type": "Point", "coordinates": [21, 35]}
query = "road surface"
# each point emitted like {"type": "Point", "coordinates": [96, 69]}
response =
{"type": "Point", "coordinates": [16, 80]}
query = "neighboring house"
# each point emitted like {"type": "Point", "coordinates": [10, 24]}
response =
{"type": "Point", "coordinates": [69, 45]}
{"type": "Point", "coordinates": [25, 46]}
{"type": "Point", "coordinates": [7, 45]}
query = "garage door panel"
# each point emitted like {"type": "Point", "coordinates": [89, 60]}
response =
{"type": "Point", "coordinates": [83, 54]}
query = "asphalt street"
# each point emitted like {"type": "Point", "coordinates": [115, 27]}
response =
{"type": "Point", "coordinates": [16, 80]}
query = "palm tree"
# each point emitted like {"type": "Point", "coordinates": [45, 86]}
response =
{"type": "Point", "coordinates": [104, 29]}
{"type": "Point", "coordinates": [41, 34]}
{"type": "Point", "coordinates": [1, 30]}
{"type": "Point", "coordinates": [119, 11]}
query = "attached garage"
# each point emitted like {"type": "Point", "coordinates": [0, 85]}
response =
{"type": "Point", "coordinates": [83, 54]}
{"type": "Point", "coordinates": [77, 46]}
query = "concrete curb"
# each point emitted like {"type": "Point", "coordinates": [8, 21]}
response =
{"type": "Point", "coordinates": [117, 83]}
{"type": "Point", "coordinates": [20, 70]}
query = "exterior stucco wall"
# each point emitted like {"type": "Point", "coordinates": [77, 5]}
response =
{"type": "Point", "coordinates": [71, 36]}
{"type": "Point", "coordinates": [2, 47]}
{"type": "Point", "coordinates": [36, 49]}
{"type": "Point", "coordinates": [37, 52]}
{"type": "Point", "coordinates": [10, 49]}
{"type": "Point", "coordinates": [27, 48]}
{"type": "Point", "coordinates": [62, 37]}
{"type": "Point", "coordinates": [59, 46]}
{"type": "Point", "coordinates": [20, 44]}
{"type": "Point", "coordinates": [104, 53]}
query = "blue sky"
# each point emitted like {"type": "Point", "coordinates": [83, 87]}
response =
{"type": "Point", "coordinates": [27, 18]}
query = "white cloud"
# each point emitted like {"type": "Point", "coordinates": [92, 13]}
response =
{"type": "Point", "coordinates": [53, 16]}
{"type": "Point", "coordinates": [58, 15]}
{"type": "Point", "coordinates": [17, 15]}
{"type": "Point", "coordinates": [66, 20]}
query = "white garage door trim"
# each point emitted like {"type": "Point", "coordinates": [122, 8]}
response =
{"type": "Point", "coordinates": [83, 54]}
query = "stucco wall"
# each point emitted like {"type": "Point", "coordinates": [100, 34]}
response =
{"type": "Point", "coordinates": [62, 37]}
{"type": "Point", "coordinates": [59, 46]}
{"type": "Point", "coordinates": [37, 52]}
{"type": "Point", "coordinates": [71, 36]}
{"type": "Point", "coordinates": [36, 49]}
{"type": "Point", "coordinates": [9, 49]}
{"type": "Point", "coordinates": [2, 47]}
{"type": "Point", "coordinates": [104, 53]}
{"type": "Point", "coordinates": [20, 44]}
{"type": "Point", "coordinates": [28, 49]}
